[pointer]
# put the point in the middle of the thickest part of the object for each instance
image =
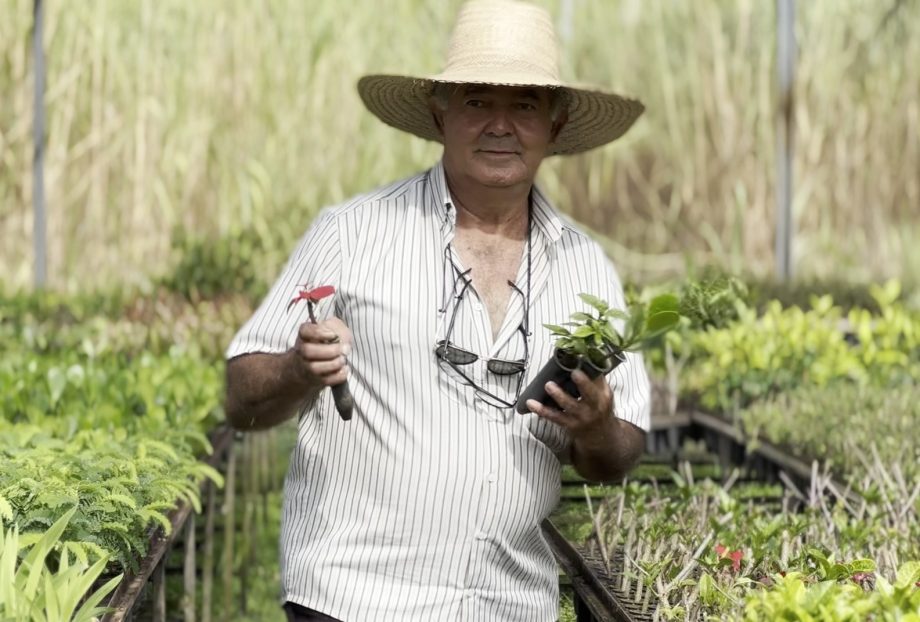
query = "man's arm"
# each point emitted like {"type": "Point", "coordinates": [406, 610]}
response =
{"type": "Point", "coordinates": [264, 390]}
{"type": "Point", "coordinates": [604, 447]}
{"type": "Point", "coordinates": [608, 454]}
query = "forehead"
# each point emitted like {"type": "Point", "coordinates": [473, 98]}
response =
{"type": "Point", "coordinates": [511, 92]}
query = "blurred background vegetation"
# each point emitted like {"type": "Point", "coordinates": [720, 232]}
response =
{"type": "Point", "coordinates": [173, 126]}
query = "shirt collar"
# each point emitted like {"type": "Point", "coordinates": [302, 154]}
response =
{"type": "Point", "coordinates": [546, 218]}
{"type": "Point", "coordinates": [440, 198]}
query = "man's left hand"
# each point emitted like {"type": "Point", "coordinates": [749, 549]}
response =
{"type": "Point", "coordinates": [582, 417]}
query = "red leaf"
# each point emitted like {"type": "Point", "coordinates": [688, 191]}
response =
{"type": "Point", "coordinates": [318, 293]}
{"type": "Point", "coordinates": [720, 550]}
{"type": "Point", "coordinates": [312, 296]}
{"type": "Point", "coordinates": [736, 560]}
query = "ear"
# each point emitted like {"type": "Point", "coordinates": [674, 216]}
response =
{"type": "Point", "coordinates": [558, 124]}
{"type": "Point", "coordinates": [437, 115]}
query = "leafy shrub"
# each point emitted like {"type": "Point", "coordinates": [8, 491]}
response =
{"type": "Point", "coordinates": [760, 356]}
{"type": "Point", "coordinates": [756, 357]}
{"type": "Point", "coordinates": [207, 268]}
{"type": "Point", "coordinates": [794, 597]}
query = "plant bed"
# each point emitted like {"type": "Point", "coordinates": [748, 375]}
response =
{"type": "Point", "coordinates": [594, 586]}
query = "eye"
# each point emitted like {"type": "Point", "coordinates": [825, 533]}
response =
{"type": "Point", "coordinates": [526, 106]}
{"type": "Point", "coordinates": [475, 103]}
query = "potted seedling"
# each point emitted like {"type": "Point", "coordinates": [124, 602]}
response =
{"type": "Point", "coordinates": [594, 345]}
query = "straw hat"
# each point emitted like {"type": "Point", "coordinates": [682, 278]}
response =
{"type": "Point", "coordinates": [502, 42]}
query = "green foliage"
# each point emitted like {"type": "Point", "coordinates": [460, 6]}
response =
{"type": "Point", "coordinates": [799, 293]}
{"type": "Point", "coordinates": [712, 302]}
{"type": "Point", "coordinates": [796, 597]}
{"type": "Point", "coordinates": [129, 323]}
{"type": "Point", "coordinates": [208, 267]}
{"type": "Point", "coordinates": [761, 356]}
{"type": "Point", "coordinates": [30, 591]}
{"type": "Point", "coordinates": [116, 485]}
{"type": "Point", "coordinates": [78, 389]}
{"type": "Point", "coordinates": [597, 335]}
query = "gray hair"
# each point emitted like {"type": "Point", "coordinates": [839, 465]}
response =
{"type": "Point", "coordinates": [441, 93]}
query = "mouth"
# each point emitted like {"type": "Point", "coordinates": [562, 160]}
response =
{"type": "Point", "coordinates": [501, 152]}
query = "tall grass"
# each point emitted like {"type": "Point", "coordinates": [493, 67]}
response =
{"type": "Point", "coordinates": [218, 115]}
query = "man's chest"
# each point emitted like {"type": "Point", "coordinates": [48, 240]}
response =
{"type": "Point", "coordinates": [493, 268]}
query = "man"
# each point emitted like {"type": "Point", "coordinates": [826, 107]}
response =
{"type": "Point", "coordinates": [427, 504]}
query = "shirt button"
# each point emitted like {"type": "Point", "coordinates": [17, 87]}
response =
{"type": "Point", "coordinates": [492, 478]}
{"type": "Point", "coordinates": [481, 535]}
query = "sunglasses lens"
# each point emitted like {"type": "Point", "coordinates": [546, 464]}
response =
{"type": "Point", "coordinates": [500, 367]}
{"type": "Point", "coordinates": [455, 355]}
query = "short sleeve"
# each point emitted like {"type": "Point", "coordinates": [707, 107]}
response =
{"type": "Point", "coordinates": [629, 382]}
{"type": "Point", "coordinates": [317, 260]}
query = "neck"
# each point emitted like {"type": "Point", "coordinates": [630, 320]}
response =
{"type": "Point", "coordinates": [497, 211]}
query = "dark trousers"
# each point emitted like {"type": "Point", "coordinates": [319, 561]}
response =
{"type": "Point", "coordinates": [299, 613]}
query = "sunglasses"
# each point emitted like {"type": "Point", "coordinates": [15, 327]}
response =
{"type": "Point", "coordinates": [455, 357]}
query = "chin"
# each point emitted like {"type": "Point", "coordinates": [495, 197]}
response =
{"type": "Point", "coordinates": [501, 177]}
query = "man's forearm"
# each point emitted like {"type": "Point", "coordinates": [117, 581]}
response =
{"type": "Point", "coordinates": [264, 390]}
{"type": "Point", "coordinates": [609, 453]}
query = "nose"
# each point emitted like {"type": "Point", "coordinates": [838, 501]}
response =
{"type": "Point", "coordinates": [499, 122]}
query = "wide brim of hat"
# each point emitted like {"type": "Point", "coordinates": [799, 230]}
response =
{"type": "Point", "coordinates": [595, 117]}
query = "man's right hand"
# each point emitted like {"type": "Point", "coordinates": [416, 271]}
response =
{"type": "Point", "coordinates": [321, 352]}
{"type": "Point", "coordinates": [265, 389]}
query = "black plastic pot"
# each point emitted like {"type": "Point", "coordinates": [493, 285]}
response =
{"type": "Point", "coordinates": [559, 369]}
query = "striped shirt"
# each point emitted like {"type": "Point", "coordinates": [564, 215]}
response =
{"type": "Point", "coordinates": [427, 504]}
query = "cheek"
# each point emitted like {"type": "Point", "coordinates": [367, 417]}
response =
{"type": "Point", "coordinates": [535, 133]}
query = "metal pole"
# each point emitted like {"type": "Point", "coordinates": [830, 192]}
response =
{"type": "Point", "coordinates": [785, 63]}
{"type": "Point", "coordinates": [38, 132]}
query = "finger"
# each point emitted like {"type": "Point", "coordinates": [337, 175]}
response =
{"type": "Point", "coordinates": [591, 390]}
{"type": "Point", "coordinates": [326, 368]}
{"type": "Point", "coordinates": [311, 351]}
{"type": "Point", "coordinates": [327, 331]}
{"type": "Point", "coordinates": [339, 328]}
{"type": "Point", "coordinates": [546, 412]}
{"type": "Point", "coordinates": [330, 380]}
{"type": "Point", "coordinates": [565, 401]}
{"type": "Point", "coordinates": [317, 333]}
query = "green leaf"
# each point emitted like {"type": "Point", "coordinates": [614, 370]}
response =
{"type": "Point", "coordinates": [6, 510]}
{"type": "Point", "coordinates": [90, 610]}
{"type": "Point", "coordinates": [151, 516]}
{"type": "Point", "coordinates": [660, 321]}
{"type": "Point", "coordinates": [557, 330]}
{"type": "Point", "coordinates": [861, 565]}
{"type": "Point", "coordinates": [122, 499]}
{"type": "Point", "coordinates": [78, 550]}
{"type": "Point", "coordinates": [36, 557]}
{"type": "Point", "coordinates": [57, 382]}
{"type": "Point", "coordinates": [908, 574]}
{"type": "Point", "coordinates": [663, 303]}
{"type": "Point", "coordinates": [595, 302]}
{"type": "Point", "coordinates": [206, 470]}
